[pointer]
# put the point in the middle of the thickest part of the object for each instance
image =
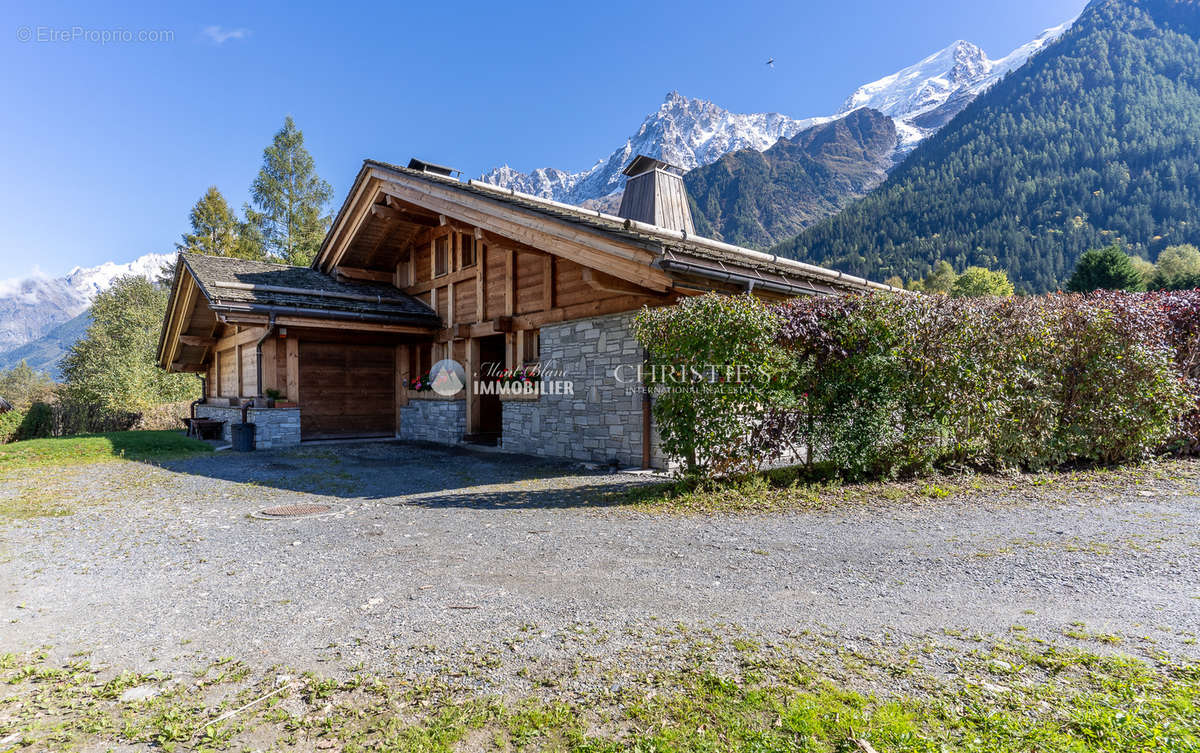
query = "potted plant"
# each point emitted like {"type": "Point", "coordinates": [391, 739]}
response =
{"type": "Point", "coordinates": [273, 396]}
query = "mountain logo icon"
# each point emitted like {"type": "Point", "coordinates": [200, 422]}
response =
{"type": "Point", "coordinates": [448, 377]}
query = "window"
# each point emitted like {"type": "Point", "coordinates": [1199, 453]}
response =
{"type": "Point", "coordinates": [441, 256]}
{"type": "Point", "coordinates": [468, 250]}
{"type": "Point", "coordinates": [532, 347]}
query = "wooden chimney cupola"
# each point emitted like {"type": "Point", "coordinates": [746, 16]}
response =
{"type": "Point", "coordinates": [655, 194]}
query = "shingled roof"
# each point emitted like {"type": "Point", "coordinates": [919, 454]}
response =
{"type": "Point", "coordinates": [243, 285]}
{"type": "Point", "coordinates": [673, 247]}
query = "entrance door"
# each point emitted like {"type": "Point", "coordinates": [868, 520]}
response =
{"type": "Point", "coordinates": [491, 362]}
{"type": "Point", "coordinates": [347, 390]}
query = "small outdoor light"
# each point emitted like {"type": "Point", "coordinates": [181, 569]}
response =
{"type": "Point", "coordinates": [594, 394]}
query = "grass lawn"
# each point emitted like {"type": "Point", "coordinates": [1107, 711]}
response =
{"type": "Point", "coordinates": [146, 446]}
{"type": "Point", "coordinates": [1007, 695]}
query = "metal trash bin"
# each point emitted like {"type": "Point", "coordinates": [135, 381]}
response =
{"type": "Point", "coordinates": [242, 436]}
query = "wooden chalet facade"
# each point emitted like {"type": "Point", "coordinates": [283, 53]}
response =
{"type": "Point", "coordinates": [419, 267]}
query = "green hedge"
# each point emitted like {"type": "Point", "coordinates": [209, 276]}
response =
{"type": "Point", "coordinates": [887, 384]}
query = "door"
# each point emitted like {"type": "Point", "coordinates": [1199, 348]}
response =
{"type": "Point", "coordinates": [491, 361]}
{"type": "Point", "coordinates": [347, 391]}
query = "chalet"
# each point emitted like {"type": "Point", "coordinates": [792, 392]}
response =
{"type": "Point", "coordinates": [532, 298]}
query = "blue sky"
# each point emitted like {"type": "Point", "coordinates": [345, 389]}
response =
{"type": "Point", "coordinates": [104, 147]}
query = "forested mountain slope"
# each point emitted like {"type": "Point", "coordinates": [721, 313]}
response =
{"type": "Point", "coordinates": [754, 198]}
{"type": "Point", "coordinates": [1096, 139]}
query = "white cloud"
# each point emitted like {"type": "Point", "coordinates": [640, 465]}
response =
{"type": "Point", "coordinates": [19, 285]}
{"type": "Point", "coordinates": [221, 35]}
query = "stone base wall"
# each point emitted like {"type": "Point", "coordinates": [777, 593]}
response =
{"type": "Point", "coordinates": [275, 427]}
{"type": "Point", "coordinates": [441, 421]}
{"type": "Point", "coordinates": [601, 422]}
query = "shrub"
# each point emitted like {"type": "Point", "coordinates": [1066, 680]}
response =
{"type": "Point", "coordinates": [9, 423]}
{"type": "Point", "coordinates": [38, 422]}
{"type": "Point", "coordinates": [715, 366]}
{"type": "Point", "coordinates": [885, 384]}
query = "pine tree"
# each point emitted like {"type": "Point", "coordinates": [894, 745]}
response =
{"type": "Point", "coordinates": [1105, 269]}
{"type": "Point", "coordinates": [216, 230]}
{"type": "Point", "coordinates": [289, 199]}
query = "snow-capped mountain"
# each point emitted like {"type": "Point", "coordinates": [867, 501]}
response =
{"type": "Point", "coordinates": [690, 132]}
{"type": "Point", "coordinates": [684, 131]}
{"type": "Point", "coordinates": [926, 95]}
{"type": "Point", "coordinates": [32, 306]}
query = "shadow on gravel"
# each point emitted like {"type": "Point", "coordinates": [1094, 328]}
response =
{"type": "Point", "coordinates": [418, 474]}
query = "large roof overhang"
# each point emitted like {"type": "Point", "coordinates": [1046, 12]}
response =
{"type": "Point", "coordinates": [390, 205]}
{"type": "Point", "coordinates": [208, 293]}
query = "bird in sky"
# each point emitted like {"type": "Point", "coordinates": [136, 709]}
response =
{"type": "Point", "coordinates": [771, 62]}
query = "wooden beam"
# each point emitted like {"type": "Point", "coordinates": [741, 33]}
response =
{"type": "Point", "coordinates": [547, 282]}
{"type": "Point", "coordinates": [367, 275]}
{"type": "Point", "coordinates": [606, 283]}
{"type": "Point", "coordinates": [408, 215]}
{"type": "Point", "coordinates": [590, 248]}
{"type": "Point", "coordinates": [459, 276]}
{"type": "Point", "coordinates": [293, 369]}
{"type": "Point", "coordinates": [241, 337]}
{"type": "Point", "coordinates": [237, 357]}
{"type": "Point", "coordinates": [480, 281]}
{"type": "Point", "coordinates": [369, 188]}
{"type": "Point", "coordinates": [591, 308]}
{"type": "Point", "coordinates": [510, 281]}
{"type": "Point", "coordinates": [472, 398]}
{"type": "Point", "coordinates": [402, 378]}
{"type": "Point", "coordinates": [359, 326]}
{"type": "Point", "coordinates": [197, 341]}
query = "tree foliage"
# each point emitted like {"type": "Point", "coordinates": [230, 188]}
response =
{"type": "Point", "coordinates": [22, 386]}
{"type": "Point", "coordinates": [113, 368]}
{"type": "Point", "coordinates": [289, 199]}
{"type": "Point", "coordinates": [1108, 268]}
{"type": "Point", "coordinates": [978, 281]}
{"type": "Point", "coordinates": [1177, 268]}
{"type": "Point", "coordinates": [1093, 141]}
{"type": "Point", "coordinates": [939, 280]}
{"type": "Point", "coordinates": [217, 231]}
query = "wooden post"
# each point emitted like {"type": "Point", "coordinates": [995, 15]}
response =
{"type": "Point", "coordinates": [547, 282]}
{"type": "Point", "coordinates": [510, 282]}
{"type": "Point", "coordinates": [480, 282]}
{"type": "Point", "coordinates": [472, 398]}
{"type": "Point", "coordinates": [293, 370]}
{"type": "Point", "coordinates": [449, 304]}
{"type": "Point", "coordinates": [237, 357]}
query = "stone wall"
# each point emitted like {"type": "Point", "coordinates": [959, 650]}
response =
{"type": "Point", "coordinates": [276, 427]}
{"type": "Point", "coordinates": [601, 422]}
{"type": "Point", "coordinates": [442, 421]}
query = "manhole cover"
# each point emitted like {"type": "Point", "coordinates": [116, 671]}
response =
{"type": "Point", "coordinates": [295, 511]}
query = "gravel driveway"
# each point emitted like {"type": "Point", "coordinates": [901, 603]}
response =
{"type": "Point", "coordinates": [162, 567]}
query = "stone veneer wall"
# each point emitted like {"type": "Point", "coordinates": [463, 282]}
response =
{"type": "Point", "coordinates": [595, 426]}
{"type": "Point", "coordinates": [442, 421]}
{"type": "Point", "coordinates": [276, 427]}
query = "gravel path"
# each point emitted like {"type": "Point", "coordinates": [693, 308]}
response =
{"type": "Point", "coordinates": [162, 567]}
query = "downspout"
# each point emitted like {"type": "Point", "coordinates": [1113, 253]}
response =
{"type": "Point", "coordinates": [258, 356]}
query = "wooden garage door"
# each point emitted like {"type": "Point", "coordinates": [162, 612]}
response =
{"type": "Point", "coordinates": [347, 390]}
